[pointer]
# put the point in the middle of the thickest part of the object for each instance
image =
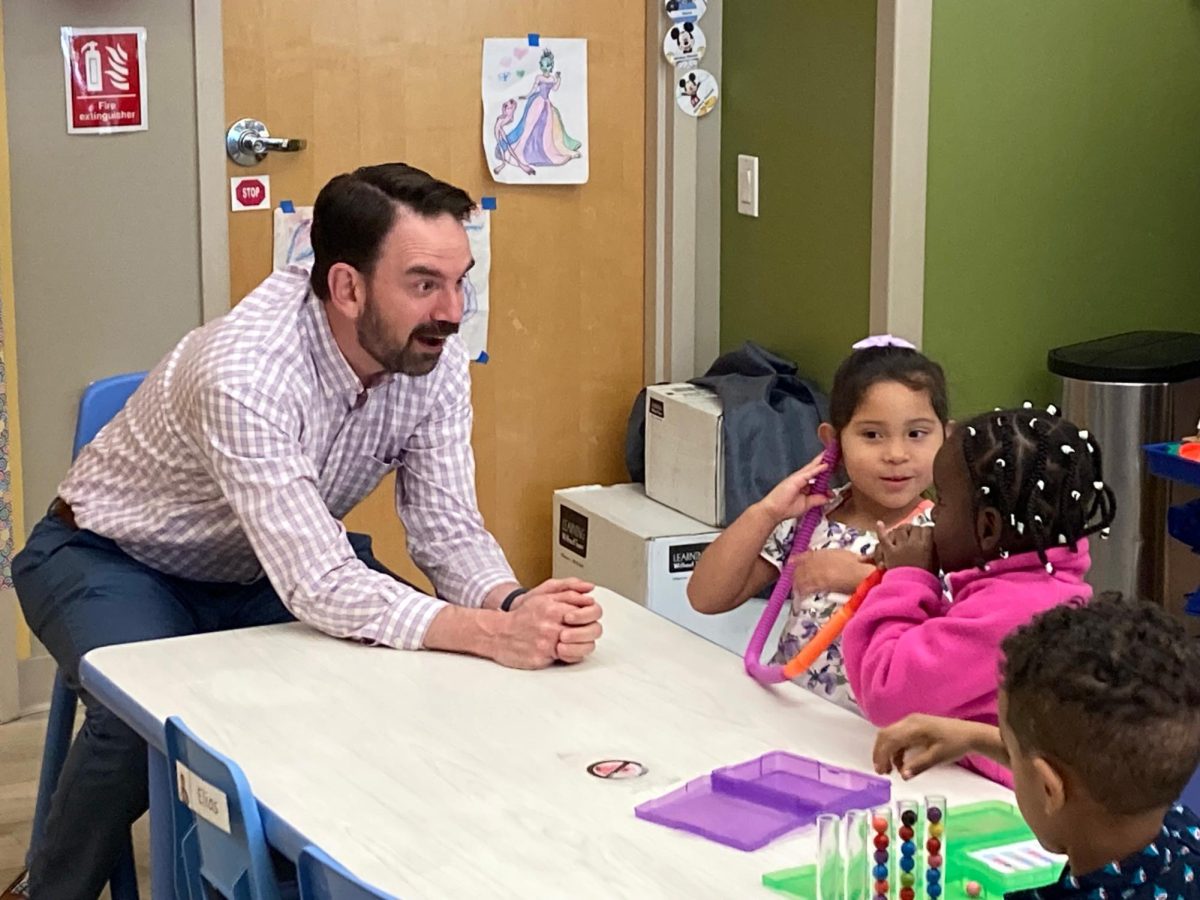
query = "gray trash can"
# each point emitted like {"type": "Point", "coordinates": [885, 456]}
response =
{"type": "Point", "coordinates": [1129, 390]}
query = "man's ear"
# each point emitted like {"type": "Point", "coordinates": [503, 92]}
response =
{"type": "Point", "coordinates": [826, 433]}
{"type": "Point", "coordinates": [347, 293]}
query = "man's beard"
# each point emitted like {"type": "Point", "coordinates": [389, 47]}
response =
{"type": "Point", "coordinates": [408, 358]}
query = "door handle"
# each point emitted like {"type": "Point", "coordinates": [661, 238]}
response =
{"type": "Point", "coordinates": [247, 142]}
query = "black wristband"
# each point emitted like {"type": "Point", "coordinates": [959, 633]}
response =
{"type": "Point", "coordinates": [506, 606]}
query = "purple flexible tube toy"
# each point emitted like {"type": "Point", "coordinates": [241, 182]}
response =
{"type": "Point", "coordinates": [773, 674]}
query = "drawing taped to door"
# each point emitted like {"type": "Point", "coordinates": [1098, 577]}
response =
{"type": "Point", "coordinates": [535, 110]}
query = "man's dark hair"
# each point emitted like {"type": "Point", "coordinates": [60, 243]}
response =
{"type": "Point", "coordinates": [355, 211]}
{"type": "Point", "coordinates": [1111, 691]}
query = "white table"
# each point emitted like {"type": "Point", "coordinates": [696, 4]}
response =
{"type": "Point", "coordinates": [441, 776]}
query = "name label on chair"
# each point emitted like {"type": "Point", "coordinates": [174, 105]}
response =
{"type": "Point", "coordinates": [206, 801]}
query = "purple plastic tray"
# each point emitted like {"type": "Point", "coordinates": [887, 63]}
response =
{"type": "Point", "coordinates": [751, 804]}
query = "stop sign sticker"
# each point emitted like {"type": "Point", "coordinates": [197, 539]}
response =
{"type": "Point", "coordinates": [253, 192]}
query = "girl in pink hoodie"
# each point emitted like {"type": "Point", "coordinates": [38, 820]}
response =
{"type": "Point", "coordinates": [1018, 492]}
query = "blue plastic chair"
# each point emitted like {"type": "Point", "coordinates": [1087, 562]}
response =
{"type": "Point", "coordinates": [234, 864]}
{"type": "Point", "coordinates": [324, 878]}
{"type": "Point", "coordinates": [100, 402]}
{"type": "Point", "coordinates": [1191, 793]}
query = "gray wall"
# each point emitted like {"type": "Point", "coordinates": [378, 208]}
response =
{"type": "Point", "coordinates": [105, 229]}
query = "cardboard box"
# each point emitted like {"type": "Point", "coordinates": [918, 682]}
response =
{"type": "Point", "coordinates": [685, 451]}
{"type": "Point", "coordinates": [618, 538]}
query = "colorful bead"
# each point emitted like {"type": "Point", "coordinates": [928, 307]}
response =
{"type": "Point", "coordinates": [934, 815]}
{"type": "Point", "coordinates": [933, 845]}
{"type": "Point", "coordinates": [906, 833]}
{"type": "Point", "coordinates": [907, 863]}
{"type": "Point", "coordinates": [933, 875]}
{"type": "Point", "coordinates": [881, 842]}
{"type": "Point", "coordinates": [880, 873]}
{"type": "Point", "coordinates": [880, 824]}
{"type": "Point", "coordinates": [934, 890]}
{"type": "Point", "coordinates": [935, 860]}
{"type": "Point", "coordinates": [974, 889]}
{"type": "Point", "coordinates": [881, 897]}
{"type": "Point", "coordinates": [907, 894]}
{"type": "Point", "coordinates": [881, 857]}
{"type": "Point", "coordinates": [882, 887]}
{"type": "Point", "coordinates": [936, 829]}
{"type": "Point", "coordinates": [908, 848]}
{"type": "Point", "coordinates": [908, 879]}
{"type": "Point", "coordinates": [909, 817]}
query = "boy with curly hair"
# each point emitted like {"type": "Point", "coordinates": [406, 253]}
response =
{"type": "Point", "coordinates": [1100, 724]}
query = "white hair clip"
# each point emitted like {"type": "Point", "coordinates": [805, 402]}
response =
{"type": "Point", "coordinates": [985, 490]}
{"type": "Point", "coordinates": [1062, 539]}
{"type": "Point", "coordinates": [971, 430]}
{"type": "Point", "coordinates": [1067, 449]}
{"type": "Point", "coordinates": [1020, 528]}
{"type": "Point", "coordinates": [1041, 485]}
{"type": "Point", "coordinates": [1083, 434]}
{"type": "Point", "coordinates": [1027, 405]}
{"type": "Point", "coordinates": [1049, 568]}
{"type": "Point", "coordinates": [1075, 495]}
{"type": "Point", "coordinates": [1052, 409]}
{"type": "Point", "coordinates": [1000, 463]}
{"type": "Point", "coordinates": [1098, 485]}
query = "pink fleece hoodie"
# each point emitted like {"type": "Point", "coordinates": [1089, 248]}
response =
{"type": "Point", "coordinates": [908, 650]}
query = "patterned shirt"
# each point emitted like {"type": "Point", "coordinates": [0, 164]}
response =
{"type": "Point", "coordinates": [1165, 869]}
{"type": "Point", "coordinates": [809, 613]}
{"type": "Point", "coordinates": [247, 444]}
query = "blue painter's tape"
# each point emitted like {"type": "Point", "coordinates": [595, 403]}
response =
{"type": "Point", "coordinates": [483, 357]}
{"type": "Point", "coordinates": [286, 206]}
{"type": "Point", "coordinates": [535, 40]}
{"type": "Point", "coordinates": [487, 202]}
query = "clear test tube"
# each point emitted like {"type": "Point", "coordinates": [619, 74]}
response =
{"type": "Point", "coordinates": [858, 852]}
{"type": "Point", "coordinates": [909, 851]}
{"type": "Point", "coordinates": [936, 814]}
{"type": "Point", "coordinates": [882, 838]}
{"type": "Point", "coordinates": [831, 865]}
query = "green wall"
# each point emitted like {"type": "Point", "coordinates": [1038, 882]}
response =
{"type": "Point", "coordinates": [1064, 183]}
{"type": "Point", "coordinates": [798, 91]}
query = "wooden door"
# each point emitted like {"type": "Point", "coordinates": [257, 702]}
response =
{"type": "Point", "coordinates": [383, 80]}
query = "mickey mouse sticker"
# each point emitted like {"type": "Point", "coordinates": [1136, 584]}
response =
{"type": "Point", "coordinates": [696, 92]}
{"type": "Point", "coordinates": [684, 45]}
{"type": "Point", "coordinates": [681, 11]}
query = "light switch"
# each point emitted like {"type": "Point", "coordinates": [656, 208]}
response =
{"type": "Point", "coordinates": [747, 190]}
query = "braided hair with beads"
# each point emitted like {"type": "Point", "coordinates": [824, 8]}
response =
{"type": "Point", "coordinates": [1042, 474]}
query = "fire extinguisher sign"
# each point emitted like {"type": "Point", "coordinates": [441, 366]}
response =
{"type": "Point", "coordinates": [105, 72]}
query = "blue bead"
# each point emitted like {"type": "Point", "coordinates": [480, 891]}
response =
{"type": "Point", "coordinates": [880, 873]}
{"type": "Point", "coordinates": [881, 857]}
{"type": "Point", "coordinates": [934, 890]}
{"type": "Point", "coordinates": [907, 863]}
{"type": "Point", "coordinates": [933, 875]}
{"type": "Point", "coordinates": [908, 848]}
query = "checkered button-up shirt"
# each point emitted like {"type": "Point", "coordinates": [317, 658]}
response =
{"type": "Point", "coordinates": [249, 442]}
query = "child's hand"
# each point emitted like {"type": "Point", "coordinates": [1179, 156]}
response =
{"type": "Point", "coordinates": [831, 570]}
{"type": "Point", "coordinates": [789, 500]}
{"type": "Point", "coordinates": [920, 742]}
{"type": "Point", "coordinates": [906, 546]}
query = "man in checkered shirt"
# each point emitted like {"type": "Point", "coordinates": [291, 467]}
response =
{"type": "Point", "coordinates": [214, 499]}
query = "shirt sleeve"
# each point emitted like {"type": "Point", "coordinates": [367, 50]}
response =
{"type": "Point", "coordinates": [907, 650]}
{"type": "Point", "coordinates": [272, 487]}
{"type": "Point", "coordinates": [436, 500]}
{"type": "Point", "coordinates": [775, 550]}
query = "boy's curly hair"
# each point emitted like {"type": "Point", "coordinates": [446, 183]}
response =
{"type": "Point", "coordinates": [1110, 690]}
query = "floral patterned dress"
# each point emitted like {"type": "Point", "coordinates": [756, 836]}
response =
{"type": "Point", "coordinates": [810, 612]}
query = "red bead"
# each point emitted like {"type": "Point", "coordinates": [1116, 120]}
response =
{"type": "Point", "coordinates": [906, 833]}
{"type": "Point", "coordinates": [882, 887]}
{"type": "Point", "coordinates": [880, 824]}
{"type": "Point", "coordinates": [907, 894]}
{"type": "Point", "coordinates": [935, 861]}
{"type": "Point", "coordinates": [933, 845]}
{"type": "Point", "coordinates": [881, 842]}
